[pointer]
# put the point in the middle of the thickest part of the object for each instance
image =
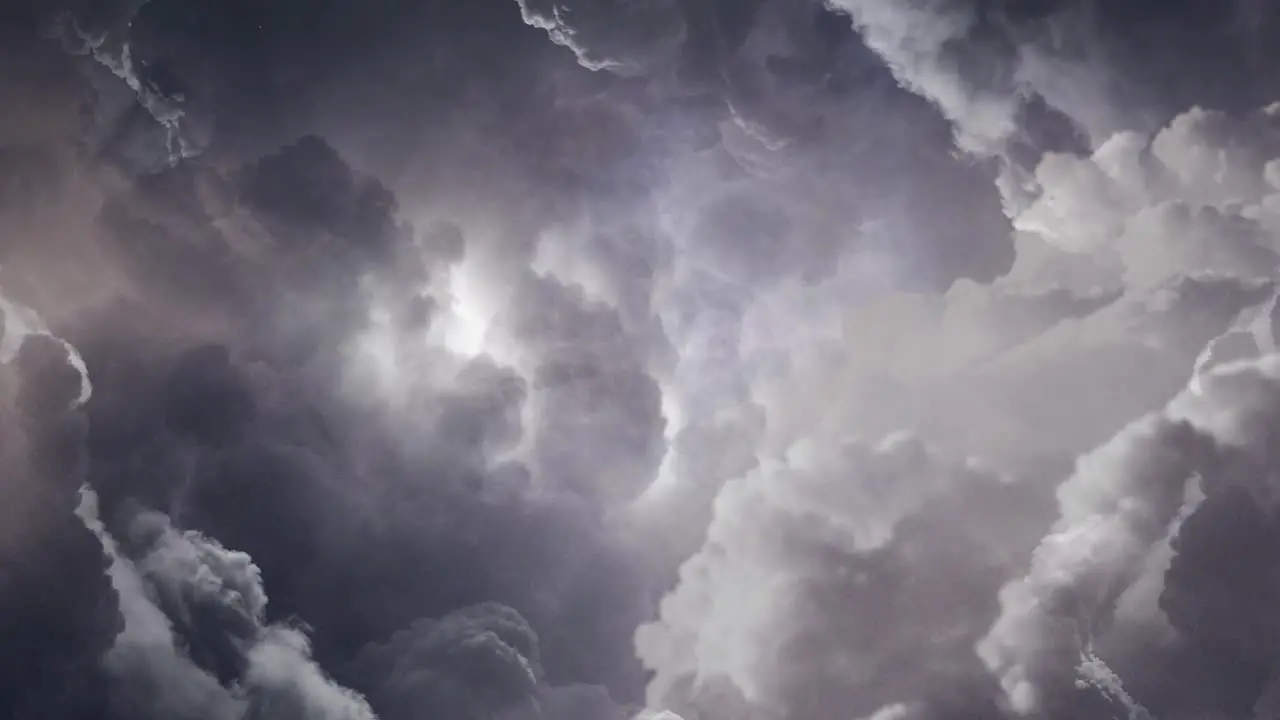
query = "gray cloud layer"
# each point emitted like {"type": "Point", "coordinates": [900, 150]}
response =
{"type": "Point", "coordinates": [592, 361]}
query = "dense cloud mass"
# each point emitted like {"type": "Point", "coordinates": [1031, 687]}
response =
{"type": "Point", "coordinates": [661, 360]}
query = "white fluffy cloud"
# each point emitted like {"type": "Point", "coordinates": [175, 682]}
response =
{"type": "Point", "coordinates": [181, 578]}
{"type": "Point", "coordinates": [1120, 502]}
{"type": "Point", "coordinates": [777, 533]}
{"type": "Point", "coordinates": [1139, 264]}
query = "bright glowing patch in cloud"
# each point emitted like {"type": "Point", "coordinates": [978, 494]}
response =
{"type": "Point", "coordinates": [466, 324]}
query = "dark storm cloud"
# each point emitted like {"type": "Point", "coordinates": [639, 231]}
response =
{"type": "Point", "coordinates": [475, 662]}
{"type": "Point", "coordinates": [786, 88]}
{"type": "Point", "coordinates": [60, 613]}
{"type": "Point", "coordinates": [626, 38]}
{"type": "Point", "coordinates": [208, 397]}
{"type": "Point", "coordinates": [195, 429]}
{"type": "Point", "coordinates": [137, 123]}
{"type": "Point", "coordinates": [243, 426]}
{"type": "Point", "coordinates": [307, 191]}
{"type": "Point", "coordinates": [195, 643]}
{"type": "Point", "coordinates": [603, 438]}
{"type": "Point", "coordinates": [226, 400]}
{"type": "Point", "coordinates": [1104, 67]}
{"type": "Point", "coordinates": [618, 353]}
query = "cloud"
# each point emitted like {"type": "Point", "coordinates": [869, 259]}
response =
{"type": "Point", "coordinates": [103, 36]}
{"type": "Point", "coordinates": [685, 282]}
{"type": "Point", "coordinates": [590, 383]}
{"type": "Point", "coordinates": [195, 641]}
{"type": "Point", "coordinates": [1099, 266]}
{"type": "Point", "coordinates": [474, 662]}
{"type": "Point", "coordinates": [663, 715]}
{"type": "Point", "coordinates": [1118, 505]}
{"type": "Point", "coordinates": [636, 34]}
{"type": "Point", "coordinates": [60, 613]}
{"type": "Point", "coordinates": [1022, 80]}
{"type": "Point", "coordinates": [152, 675]}
{"type": "Point", "coordinates": [930, 48]}
{"type": "Point", "coordinates": [1105, 314]}
{"type": "Point", "coordinates": [259, 390]}
{"type": "Point", "coordinates": [898, 711]}
{"type": "Point", "coordinates": [751, 608]}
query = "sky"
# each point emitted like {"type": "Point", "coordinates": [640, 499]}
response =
{"type": "Point", "coordinates": [639, 360]}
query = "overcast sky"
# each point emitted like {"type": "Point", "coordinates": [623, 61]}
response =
{"type": "Point", "coordinates": [639, 360]}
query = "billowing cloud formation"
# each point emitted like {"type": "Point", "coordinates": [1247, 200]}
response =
{"type": "Point", "coordinates": [141, 636]}
{"type": "Point", "coordinates": [979, 62]}
{"type": "Point", "coordinates": [930, 47]}
{"type": "Point", "coordinates": [591, 381]}
{"type": "Point", "coordinates": [194, 643]}
{"type": "Point", "coordinates": [1014, 77]}
{"type": "Point", "coordinates": [1120, 503]}
{"type": "Point", "coordinates": [474, 360]}
{"type": "Point", "coordinates": [475, 662]}
{"type": "Point", "coordinates": [1141, 265]}
{"type": "Point", "coordinates": [60, 613]}
{"type": "Point", "coordinates": [794, 536]}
